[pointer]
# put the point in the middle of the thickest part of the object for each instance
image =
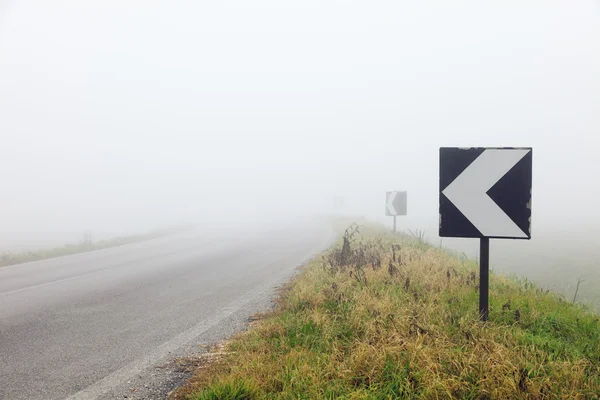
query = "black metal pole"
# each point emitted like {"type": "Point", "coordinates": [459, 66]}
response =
{"type": "Point", "coordinates": [394, 224]}
{"type": "Point", "coordinates": [484, 278]}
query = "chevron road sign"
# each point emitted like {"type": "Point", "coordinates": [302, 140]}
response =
{"type": "Point", "coordinates": [485, 193]}
{"type": "Point", "coordinates": [395, 203]}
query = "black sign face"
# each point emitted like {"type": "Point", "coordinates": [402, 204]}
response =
{"type": "Point", "coordinates": [485, 192]}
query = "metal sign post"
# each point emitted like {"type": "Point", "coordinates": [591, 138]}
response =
{"type": "Point", "coordinates": [484, 278]}
{"type": "Point", "coordinates": [485, 193]}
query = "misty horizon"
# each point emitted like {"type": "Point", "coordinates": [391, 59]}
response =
{"type": "Point", "coordinates": [117, 118]}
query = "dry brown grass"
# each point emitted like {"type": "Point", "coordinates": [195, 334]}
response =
{"type": "Point", "coordinates": [399, 319]}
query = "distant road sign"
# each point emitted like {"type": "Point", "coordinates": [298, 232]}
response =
{"type": "Point", "coordinates": [395, 203]}
{"type": "Point", "coordinates": [485, 192]}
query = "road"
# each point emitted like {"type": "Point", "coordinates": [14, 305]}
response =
{"type": "Point", "coordinates": [79, 327]}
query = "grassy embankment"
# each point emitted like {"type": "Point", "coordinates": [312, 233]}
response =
{"type": "Point", "coordinates": [388, 317]}
{"type": "Point", "coordinates": [10, 258]}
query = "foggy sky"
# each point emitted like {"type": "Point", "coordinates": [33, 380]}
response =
{"type": "Point", "coordinates": [123, 116]}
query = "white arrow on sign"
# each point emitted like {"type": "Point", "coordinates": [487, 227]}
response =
{"type": "Point", "coordinates": [390, 203]}
{"type": "Point", "coordinates": [468, 192]}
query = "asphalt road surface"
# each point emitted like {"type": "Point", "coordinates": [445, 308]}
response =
{"type": "Point", "coordinates": [80, 326]}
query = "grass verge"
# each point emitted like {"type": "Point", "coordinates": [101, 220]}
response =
{"type": "Point", "coordinates": [382, 316]}
{"type": "Point", "coordinates": [10, 258]}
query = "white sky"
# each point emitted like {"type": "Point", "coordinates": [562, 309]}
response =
{"type": "Point", "coordinates": [121, 115]}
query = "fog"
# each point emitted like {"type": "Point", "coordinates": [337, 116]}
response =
{"type": "Point", "coordinates": [119, 117]}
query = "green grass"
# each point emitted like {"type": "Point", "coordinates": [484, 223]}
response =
{"type": "Point", "coordinates": [238, 390]}
{"type": "Point", "coordinates": [9, 258]}
{"type": "Point", "coordinates": [399, 320]}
